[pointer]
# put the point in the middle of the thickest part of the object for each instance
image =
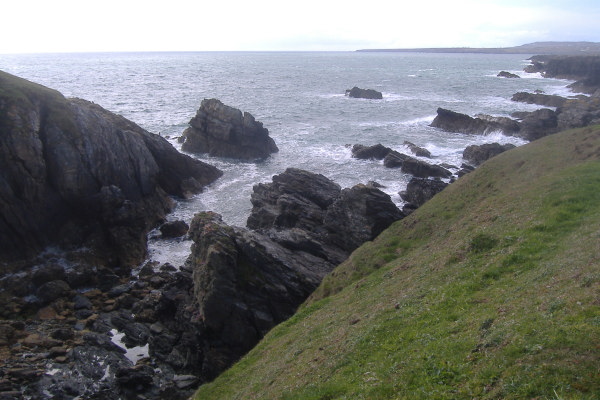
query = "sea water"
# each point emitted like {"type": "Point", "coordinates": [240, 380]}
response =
{"type": "Point", "coordinates": [300, 98]}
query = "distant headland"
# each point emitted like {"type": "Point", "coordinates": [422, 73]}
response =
{"type": "Point", "coordinates": [560, 48]}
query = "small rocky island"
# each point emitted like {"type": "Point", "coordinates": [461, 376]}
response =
{"type": "Point", "coordinates": [359, 93]}
{"type": "Point", "coordinates": [223, 131]}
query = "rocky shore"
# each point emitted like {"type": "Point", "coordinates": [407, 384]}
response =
{"type": "Point", "coordinates": [84, 316]}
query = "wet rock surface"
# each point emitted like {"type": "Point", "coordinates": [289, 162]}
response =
{"type": "Point", "coordinates": [223, 131]}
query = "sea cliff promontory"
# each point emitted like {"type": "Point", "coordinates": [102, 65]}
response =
{"type": "Point", "coordinates": [73, 174]}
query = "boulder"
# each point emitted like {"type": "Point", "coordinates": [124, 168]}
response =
{"type": "Point", "coordinates": [506, 74]}
{"type": "Point", "coordinates": [420, 190]}
{"type": "Point", "coordinates": [223, 131]}
{"type": "Point", "coordinates": [376, 152]}
{"type": "Point", "coordinates": [359, 93]}
{"type": "Point", "coordinates": [452, 121]}
{"type": "Point", "coordinates": [173, 229]}
{"type": "Point", "coordinates": [73, 174]}
{"type": "Point", "coordinates": [477, 154]}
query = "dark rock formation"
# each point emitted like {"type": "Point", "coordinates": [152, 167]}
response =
{"type": "Point", "coordinates": [421, 169]}
{"type": "Point", "coordinates": [247, 281]}
{"type": "Point", "coordinates": [244, 285]}
{"type": "Point", "coordinates": [580, 112]}
{"type": "Point", "coordinates": [420, 190]}
{"type": "Point", "coordinates": [539, 98]}
{"type": "Point", "coordinates": [537, 124]}
{"type": "Point", "coordinates": [584, 69]}
{"type": "Point", "coordinates": [395, 159]}
{"type": "Point", "coordinates": [416, 150]}
{"type": "Point", "coordinates": [364, 93]}
{"type": "Point", "coordinates": [223, 131]}
{"type": "Point", "coordinates": [477, 154]}
{"type": "Point", "coordinates": [174, 229]}
{"type": "Point", "coordinates": [74, 174]}
{"type": "Point", "coordinates": [452, 121]}
{"type": "Point", "coordinates": [506, 74]}
{"type": "Point", "coordinates": [376, 152]}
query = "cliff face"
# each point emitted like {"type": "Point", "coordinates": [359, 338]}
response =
{"type": "Point", "coordinates": [584, 69]}
{"type": "Point", "coordinates": [75, 174]}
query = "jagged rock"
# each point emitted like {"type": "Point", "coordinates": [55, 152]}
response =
{"type": "Point", "coordinates": [395, 160]}
{"type": "Point", "coordinates": [360, 214]}
{"type": "Point", "coordinates": [174, 229]}
{"type": "Point", "coordinates": [539, 98]}
{"type": "Point", "coordinates": [247, 281]}
{"type": "Point", "coordinates": [477, 154]}
{"type": "Point", "coordinates": [576, 113]}
{"type": "Point", "coordinates": [420, 190]}
{"type": "Point", "coordinates": [356, 92]}
{"type": "Point", "coordinates": [376, 152]}
{"type": "Point", "coordinates": [73, 174]}
{"type": "Point", "coordinates": [506, 74]}
{"type": "Point", "coordinates": [223, 131]}
{"type": "Point", "coordinates": [244, 284]}
{"type": "Point", "coordinates": [421, 169]}
{"type": "Point", "coordinates": [296, 198]}
{"type": "Point", "coordinates": [416, 150]}
{"type": "Point", "coordinates": [538, 123]}
{"type": "Point", "coordinates": [452, 121]}
{"type": "Point", "coordinates": [584, 69]}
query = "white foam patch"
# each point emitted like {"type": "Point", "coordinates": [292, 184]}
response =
{"type": "Point", "coordinates": [134, 354]}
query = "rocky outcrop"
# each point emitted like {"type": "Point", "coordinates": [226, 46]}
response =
{"type": "Point", "coordinates": [452, 121]}
{"type": "Point", "coordinates": [223, 131]}
{"type": "Point", "coordinates": [73, 174]}
{"type": "Point", "coordinates": [417, 150]}
{"type": "Point", "coordinates": [475, 155]}
{"type": "Point", "coordinates": [247, 280]}
{"type": "Point", "coordinates": [420, 190]}
{"type": "Point", "coordinates": [584, 69]}
{"type": "Point", "coordinates": [359, 93]}
{"type": "Point", "coordinates": [539, 98]}
{"type": "Point", "coordinates": [506, 74]}
{"type": "Point", "coordinates": [580, 112]}
{"type": "Point", "coordinates": [375, 152]}
{"type": "Point", "coordinates": [537, 124]}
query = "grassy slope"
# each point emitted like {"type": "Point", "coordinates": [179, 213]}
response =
{"type": "Point", "coordinates": [490, 290]}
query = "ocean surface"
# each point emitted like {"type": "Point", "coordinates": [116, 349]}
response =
{"type": "Point", "coordinates": [300, 98]}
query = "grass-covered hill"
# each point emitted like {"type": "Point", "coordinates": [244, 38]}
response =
{"type": "Point", "coordinates": [491, 290]}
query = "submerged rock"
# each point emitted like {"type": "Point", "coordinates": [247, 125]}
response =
{"type": "Point", "coordinates": [223, 131]}
{"type": "Point", "coordinates": [506, 74]}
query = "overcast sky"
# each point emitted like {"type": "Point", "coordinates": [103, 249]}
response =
{"type": "Point", "coordinates": [199, 25]}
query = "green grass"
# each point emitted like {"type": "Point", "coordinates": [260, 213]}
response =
{"type": "Point", "coordinates": [488, 291]}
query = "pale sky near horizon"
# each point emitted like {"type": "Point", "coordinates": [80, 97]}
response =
{"type": "Point", "coordinates": [33, 26]}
